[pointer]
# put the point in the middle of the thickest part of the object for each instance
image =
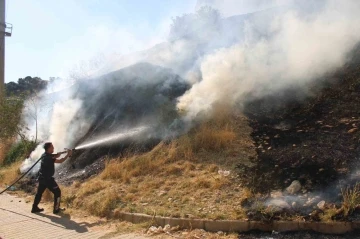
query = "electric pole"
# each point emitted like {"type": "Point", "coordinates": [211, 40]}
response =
{"type": "Point", "coordinates": [5, 31]}
{"type": "Point", "coordinates": [2, 46]}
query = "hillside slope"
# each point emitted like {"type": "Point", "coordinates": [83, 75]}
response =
{"type": "Point", "coordinates": [311, 138]}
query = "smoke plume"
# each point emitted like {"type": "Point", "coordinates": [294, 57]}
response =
{"type": "Point", "coordinates": [299, 47]}
{"type": "Point", "coordinates": [208, 59]}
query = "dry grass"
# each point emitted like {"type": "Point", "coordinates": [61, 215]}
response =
{"type": "Point", "coordinates": [9, 173]}
{"type": "Point", "coordinates": [178, 179]}
{"type": "Point", "coordinates": [212, 139]}
{"type": "Point", "coordinates": [329, 215]}
{"type": "Point", "coordinates": [101, 204]}
{"type": "Point", "coordinates": [351, 199]}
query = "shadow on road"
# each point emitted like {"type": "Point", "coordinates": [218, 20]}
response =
{"type": "Point", "coordinates": [65, 221]}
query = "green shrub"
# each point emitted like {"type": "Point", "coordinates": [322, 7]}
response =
{"type": "Point", "coordinates": [19, 151]}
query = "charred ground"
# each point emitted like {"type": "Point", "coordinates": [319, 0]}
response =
{"type": "Point", "coordinates": [313, 137]}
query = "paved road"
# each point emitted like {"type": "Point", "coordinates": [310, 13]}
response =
{"type": "Point", "coordinates": [17, 222]}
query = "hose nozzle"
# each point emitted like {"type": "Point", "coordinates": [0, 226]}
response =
{"type": "Point", "coordinates": [63, 152]}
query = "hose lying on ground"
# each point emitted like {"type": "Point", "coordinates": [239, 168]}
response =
{"type": "Point", "coordinates": [20, 177]}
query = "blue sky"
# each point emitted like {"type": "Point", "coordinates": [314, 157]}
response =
{"type": "Point", "coordinates": [51, 37]}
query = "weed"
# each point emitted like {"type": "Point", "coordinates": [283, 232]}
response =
{"type": "Point", "coordinates": [329, 214]}
{"type": "Point", "coordinates": [351, 199]}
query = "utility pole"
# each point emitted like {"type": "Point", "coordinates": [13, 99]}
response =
{"type": "Point", "coordinates": [2, 47]}
{"type": "Point", "coordinates": [5, 31]}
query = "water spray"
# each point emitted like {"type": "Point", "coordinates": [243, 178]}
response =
{"type": "Point", "coordinates": [113, 137]}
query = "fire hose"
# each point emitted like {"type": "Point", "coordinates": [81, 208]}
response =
{"type": "Point", "coordinates": [23, 175]}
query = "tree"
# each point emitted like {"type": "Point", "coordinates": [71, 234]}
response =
{"type": "Point", "coordinates": [22, 99]}
{"type": "Point", "coordinates": [25, 86]}
{"type": "Point", "coordinates": [11, 123]}
{"type": "Point", "coordinates": [199, 26]}
{"type": "Point", "coordinates": [31, 109]}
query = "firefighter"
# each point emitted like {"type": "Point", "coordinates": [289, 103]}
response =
{"type": "Point", "coordinates": [46, 178]}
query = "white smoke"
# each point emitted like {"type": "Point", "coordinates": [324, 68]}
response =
{"type": "Point", "coordinates": [56, 123]}
{"type": "Point", "coordinates": [300, 49]}
{"type": "Point", "coordinates": [272, 51]}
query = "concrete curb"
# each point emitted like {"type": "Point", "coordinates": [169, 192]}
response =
{"type": "Point", "coordinates": [242, 226]}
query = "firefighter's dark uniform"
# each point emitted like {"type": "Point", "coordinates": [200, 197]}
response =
{"type": "Point", "coordinates": [47, 181]}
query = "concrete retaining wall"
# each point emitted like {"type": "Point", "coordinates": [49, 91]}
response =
{"type": "Point", "coordinates": [243, 226]}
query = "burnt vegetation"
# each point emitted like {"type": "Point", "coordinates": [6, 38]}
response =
{"type": "Point", "coordinates": [313, 138]}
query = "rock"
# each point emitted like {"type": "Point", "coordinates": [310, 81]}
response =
{"type": "Point", "coordinates": [278, 205]}
{"type": "Point", "coordinates": [294, 187]}
{"type": "Point", "coordinates": [155, 230]}
{"type": "Point", "coordinates": [310, 201]}
{"type": "Point", "coordinates": [161, 193]}
{"type": "Point", "coordinates": [293, 204]}
{"type": "Point", "coordinates": [167, 228]}
{"type": "Point", "coordinates": [321, 205]}
{"type": "Point", "coordinates": [276, 194]}
{"type": "Point", "coordinates": [353, 130]}
{"type": "Point", "coordinates": [274, 232]}
{"type": "Point", "coordinates": [224, 173]}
